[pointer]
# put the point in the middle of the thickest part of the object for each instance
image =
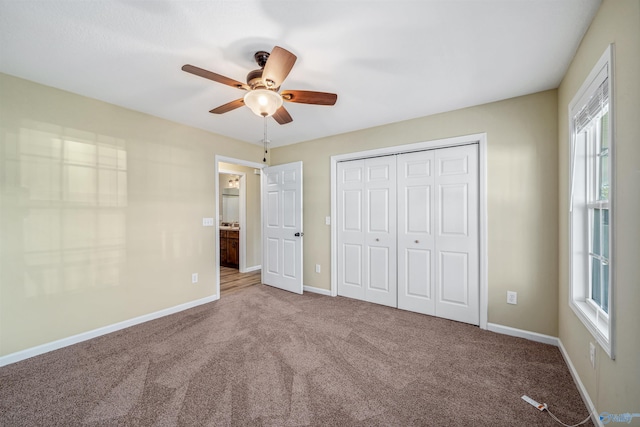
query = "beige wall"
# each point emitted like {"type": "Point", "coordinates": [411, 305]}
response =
{"type": "Point", "coordinates": [100, 213]}
{"type": "Point", "coordinates": [522, 198]}
{"type": "Point", "coordinates": [614, 386]}
{"type": "Point", "coordinates": [253, 232]}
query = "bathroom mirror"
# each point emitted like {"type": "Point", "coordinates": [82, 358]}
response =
{"type": "Point", "coordinates": [230, 205]}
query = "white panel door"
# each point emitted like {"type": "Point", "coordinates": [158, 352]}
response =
{"type": "Point", "coordinates": [416, 242]}
{"type": "Point", "coordinates": [456, 261]}
{"type": "Point", "coordinates": [380, 275]}
{"type": "Point", "coordinates": [366, 230]}
{"type": "Point", "coordinates": [282, 226]}
{"type": "Point", "coordinates": [351, 238]}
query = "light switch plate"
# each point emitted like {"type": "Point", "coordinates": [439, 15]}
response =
{"type": "Point", "coordinates": [327, 220]}
{"type": "Point", "coordinates": [207, 222]}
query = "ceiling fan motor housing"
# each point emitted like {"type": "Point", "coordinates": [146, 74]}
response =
{"type": "Point", "coordinates": [254, 79]}
{"type": "Point", "coordinates": [261, 58]}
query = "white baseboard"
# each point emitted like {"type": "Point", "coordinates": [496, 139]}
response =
{"type": "Point", "coordinates": [521, 333]}
{"type": "Point", "coordinates": [583, 391]}
{"type": "Point", "coordinates": [315, 290]}
{"type": "Point", "coordinates": [547, 339]}
{"type": "Point", "coordinates": [84, 336]}
{"type": "Point", "coordinates": [252, 268]}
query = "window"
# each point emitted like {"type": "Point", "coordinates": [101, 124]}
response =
{"type": "Point", "coordinates": [590, 121]}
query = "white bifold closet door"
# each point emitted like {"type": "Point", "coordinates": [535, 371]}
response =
{"type": "Point", "coordinates": [416, 239]}
{"type": "Point", "coordinates": [427, 258]}
{"type": "Point", "coordinates": [367, 233]}
{"type": "Point", "coordinates": [438, 256]}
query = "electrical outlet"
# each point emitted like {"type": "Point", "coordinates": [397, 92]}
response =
{"type": "Point", "coordinates": [194, 277]}
{"type": "Point", "coordinates": [327, 220]}
{"type": "Point", "coordinates": [512, 297]}
{"type": "Point", "coordinates": [317, 268]}
{"type": "Point", "coordinates": [592, 355]}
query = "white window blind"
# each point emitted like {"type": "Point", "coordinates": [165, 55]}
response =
{"type": "Point", "coordinates": [593, 106]}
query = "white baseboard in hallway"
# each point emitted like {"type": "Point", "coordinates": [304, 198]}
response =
{"type": "Point", "coordinates": [315, 290]}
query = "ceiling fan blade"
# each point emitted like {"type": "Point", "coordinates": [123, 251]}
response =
{"type": "Point", "coordinates": [215, 77]}
{"type": "Point", "coordinates": [229, 106]}
{"type": "Point", "coordinates": [278, 66]}
{"type": "Point", "coordinates": [282, 116]}
{"type": "Point", "coordinates": [309, 97]}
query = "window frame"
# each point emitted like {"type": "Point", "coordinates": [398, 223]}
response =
{"type": "Point", "coordinates": [599, 323]}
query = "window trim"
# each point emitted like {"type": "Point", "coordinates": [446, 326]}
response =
{"type": "Point", "coordinates": [600, 324]}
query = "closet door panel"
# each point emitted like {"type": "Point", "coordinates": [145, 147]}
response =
{"type": "Point", "coordinates": [352, 256]}
{"type": "Point", "coordinates": [454, 210]}
{"type": "Point", "coordinates": [417, 209]}
{"type": "Point", "coordinates": [351, 228]}
{"type": "Point", "coordinates": [379, 261]}
{"type": "Point", "coordinates": [453, 269]}
{"type": "Point", "coordinates": [380, 236]}
{"type": "Point", "coordinates": [456, 218]}
{"type": "Point", "coordinates": [418, 282]}
{"type": "Point", "coordinates": [416, 242]}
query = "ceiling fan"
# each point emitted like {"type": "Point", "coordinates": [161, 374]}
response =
{"type": "Point", "coordinates": [263, 85]}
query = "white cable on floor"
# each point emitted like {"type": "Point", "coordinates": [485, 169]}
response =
{"type": "Point", "coordinates": [566, 425]}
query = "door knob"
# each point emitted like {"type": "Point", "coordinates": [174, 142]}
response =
{"type": "Point", "coordinates": [417, 241]}
{"type": "Point", "coordinates": [299, 234]}
{"type": "Point", "coordinates": [377, 240]}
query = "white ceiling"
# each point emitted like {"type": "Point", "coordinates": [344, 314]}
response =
{"type": "Point", "coordinates": [388, 60]}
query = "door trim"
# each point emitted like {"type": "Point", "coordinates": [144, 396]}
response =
{"type": "Point", "coordinates": [481, 140]}
{"type": "Point", "coordinates": [217, 171]}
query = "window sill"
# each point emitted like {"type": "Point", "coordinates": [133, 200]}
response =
{"type": "Point", "coordinates": [598, 326]}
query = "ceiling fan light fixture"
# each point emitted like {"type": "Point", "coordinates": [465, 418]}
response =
{"type": "Point", "coordinates": [263, 102]}
{"type": "Point", "coordinates": [263, 85]}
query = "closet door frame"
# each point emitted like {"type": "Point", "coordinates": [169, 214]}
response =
{"type": "Point", "coordinates": [481, 140]}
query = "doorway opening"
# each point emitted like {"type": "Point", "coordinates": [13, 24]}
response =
{"type": "Point", "coordinates": [238, 234]}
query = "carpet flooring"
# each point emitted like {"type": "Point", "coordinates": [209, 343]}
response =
{"type": "Point", "coordinates": [265, 357]}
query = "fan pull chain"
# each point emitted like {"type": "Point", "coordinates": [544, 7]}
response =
{"type": "Point", "coordinates": [264, 140]}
